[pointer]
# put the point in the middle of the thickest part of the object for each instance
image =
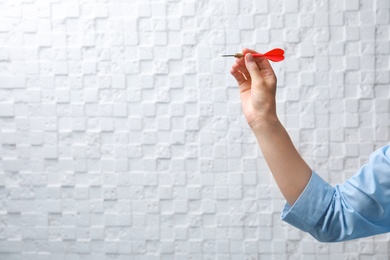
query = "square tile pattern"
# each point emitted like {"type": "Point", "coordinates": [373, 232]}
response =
{"type": "Point", "coordinates": [122, 136]}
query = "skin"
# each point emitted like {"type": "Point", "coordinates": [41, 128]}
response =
{"type": "Point", "coordinates": [257, 85]}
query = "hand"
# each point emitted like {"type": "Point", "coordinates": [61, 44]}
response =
{"type": "Point", "coordinates": [257, 83]}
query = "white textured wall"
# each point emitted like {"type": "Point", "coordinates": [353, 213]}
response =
{"type": "Point", "coordinates": [122, 135]}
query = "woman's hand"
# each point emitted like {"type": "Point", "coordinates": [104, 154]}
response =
{"type": "Point", "coordinates": [257, 83]}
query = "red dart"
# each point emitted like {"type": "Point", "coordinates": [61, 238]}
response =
{"type": "Point", "coordinates": [275, 55]}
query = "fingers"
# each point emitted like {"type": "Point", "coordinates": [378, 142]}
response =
{"type": "Point", "coordinates": [238, 76]}
{"type": "Point", "coordinates": [244, 51]}
{"type": "Point", "coordinates": [255, 69]}
{"type": "Point", "coordinates": [259, 69]}
{"type": "Point", "coordinates": [263, 63]}
{"type": "Point", "coordinates": [252, 67]}
{"type": "Point", "coordinates": [242, 76]}
{"type": "Point", "coordinates": [240, 72]}
{"type": "Point", "coordinates": [242, 69]}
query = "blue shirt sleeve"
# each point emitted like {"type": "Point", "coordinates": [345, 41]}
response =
{"type": "Point", "coordinates": [358, 208]}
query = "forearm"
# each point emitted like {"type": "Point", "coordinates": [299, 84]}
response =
{"type": "Point", "coordinates": [290, 171]}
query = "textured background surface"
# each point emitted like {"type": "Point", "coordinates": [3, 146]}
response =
{"type": "Point", "coordinates": [122, 135]}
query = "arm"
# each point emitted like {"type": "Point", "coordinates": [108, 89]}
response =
{"type": "Point", "coordinates": [257, 84]}
{"type": "Point", "coordinates": [355, 209]}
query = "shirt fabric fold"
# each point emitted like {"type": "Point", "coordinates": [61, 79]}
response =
{"type": "Point", "coordinates": [358, 208]}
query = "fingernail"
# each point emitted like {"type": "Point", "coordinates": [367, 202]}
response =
{"type": "Point", "coordinates": [249, 57]}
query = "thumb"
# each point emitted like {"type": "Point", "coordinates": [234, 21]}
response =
{"type": "Point", "coordinates": [260, 70]}
{"type": "Point", "coordinates": [252, 68]}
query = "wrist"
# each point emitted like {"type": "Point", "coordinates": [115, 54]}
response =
{"type": "Point", "coordinates": [264, 122]}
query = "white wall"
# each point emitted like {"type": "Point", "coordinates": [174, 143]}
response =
{"type": "Point", "coordinates": [122, 135]}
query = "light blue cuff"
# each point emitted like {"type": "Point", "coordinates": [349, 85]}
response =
{"type": "Point", "coordinates": [311, 205]}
